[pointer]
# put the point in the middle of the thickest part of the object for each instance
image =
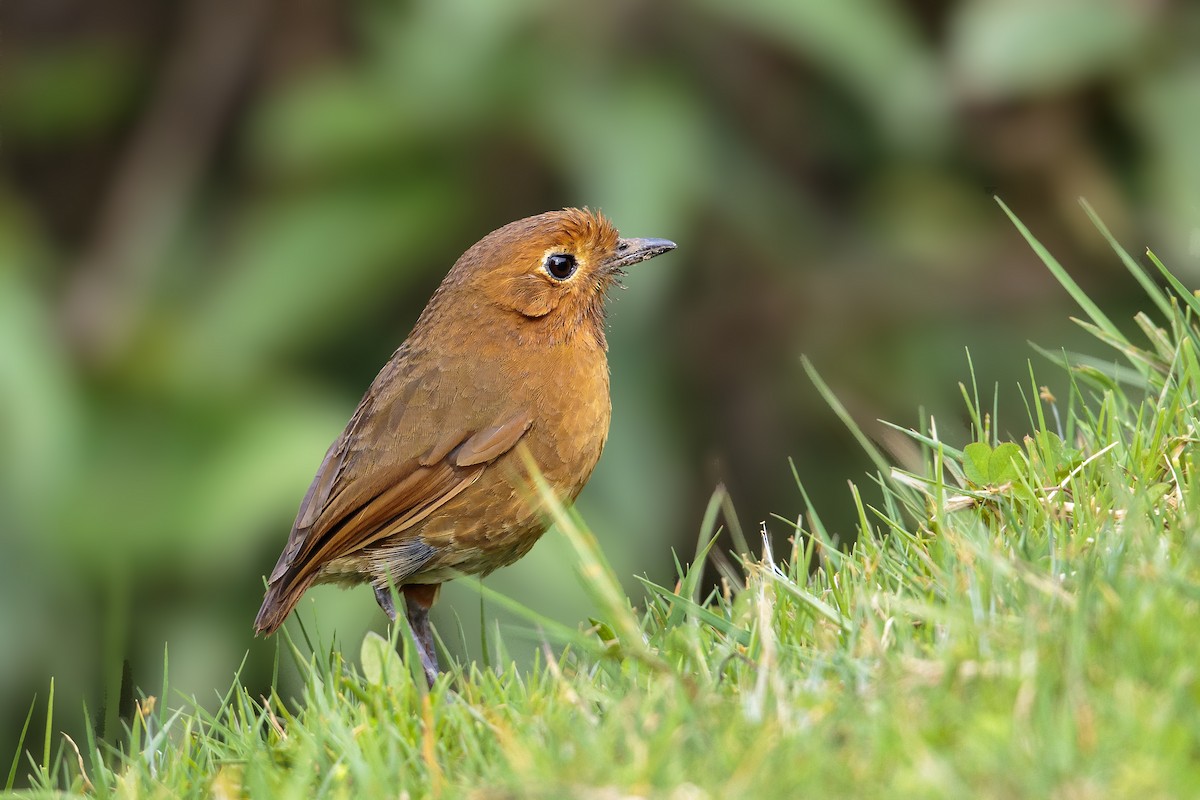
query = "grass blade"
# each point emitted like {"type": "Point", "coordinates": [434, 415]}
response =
{"type": "Point", "coordinates": [1063, 277]}
{"type": "Point", "coordinates": [12, 770]}
{"type": "Point", "coordinates": [1156, 295]}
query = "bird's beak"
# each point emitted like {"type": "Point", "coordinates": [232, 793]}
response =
{"type": "Point", "coordinates": [631, 251]}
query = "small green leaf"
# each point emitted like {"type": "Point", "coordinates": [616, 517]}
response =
{"type": "Point", "coordinates": [380, 663]}
{"type": "Point", "coordinates": [976, 462]}
{"type": "Point", "coordinates": [984, 466]}
{"type": "Point", "coordinates": [1004, 464]}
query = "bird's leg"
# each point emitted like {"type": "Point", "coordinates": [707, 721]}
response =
{"type": "Point", "coordinates": [418, 598]}
{"type": "Point", "coordinates": [385, 598]}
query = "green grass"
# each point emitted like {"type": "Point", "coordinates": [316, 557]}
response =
{"type": "Point", "coordinates": [1016, 619]}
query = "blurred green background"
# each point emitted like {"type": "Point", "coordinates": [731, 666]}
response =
{"type": "Point", "coordinates": [218, 219]}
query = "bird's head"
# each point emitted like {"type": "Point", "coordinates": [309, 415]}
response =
{"type": "Point", "coordinates": [551, 271]}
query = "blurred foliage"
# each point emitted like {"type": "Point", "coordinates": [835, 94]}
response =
{"type": "Point", "coordinates": [217, 221]}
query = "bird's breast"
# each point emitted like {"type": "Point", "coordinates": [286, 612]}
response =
{"type": "Point", "coordinates": [497, 518]}
{"type": "Point", "coordinates": [571, 411]}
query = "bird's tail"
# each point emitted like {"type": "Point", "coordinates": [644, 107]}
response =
{"type": "Point", "coordinates": [282, 597]}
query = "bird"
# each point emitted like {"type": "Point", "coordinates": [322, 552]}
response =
{"type": "Point", "coordinates": [429, 480]}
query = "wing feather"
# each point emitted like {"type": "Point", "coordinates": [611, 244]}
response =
{"type": "Point", "coordinates": [493, 441]}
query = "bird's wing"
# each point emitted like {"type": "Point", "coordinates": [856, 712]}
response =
{"type": "Point", "coordinates": [383, 504]}
{"type": "Point", "coordinates": [362, 494]}
{"type": "Point", "coordinates": [421, 435]}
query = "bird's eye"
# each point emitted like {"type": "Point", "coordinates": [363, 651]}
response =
{"type": "Point", "coordinates": [560, 266]}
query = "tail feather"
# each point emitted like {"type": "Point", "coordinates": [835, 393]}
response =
{"type": "Point", "coordinates": [282, 597]}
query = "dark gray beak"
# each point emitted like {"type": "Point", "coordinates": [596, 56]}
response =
{"type": "Point", "coordinates": [631, 251]}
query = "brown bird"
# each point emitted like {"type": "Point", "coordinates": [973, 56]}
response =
{"type": "Point", "coordinates": [426, 481]}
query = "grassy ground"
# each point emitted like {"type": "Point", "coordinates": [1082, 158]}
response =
{"type": "Point", "coordinates": [1017, 619]}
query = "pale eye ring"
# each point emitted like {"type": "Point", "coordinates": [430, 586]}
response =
{"type": "Point", "coordinates": [560, 266]}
